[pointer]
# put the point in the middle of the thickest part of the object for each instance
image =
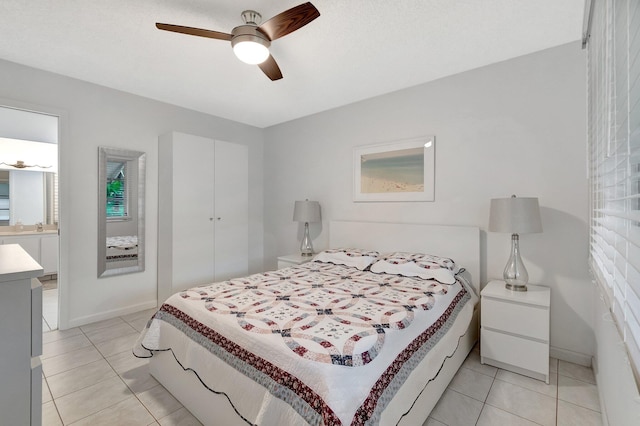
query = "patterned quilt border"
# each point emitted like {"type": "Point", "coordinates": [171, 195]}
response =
{"type": "Point", "coordinates": [285, 386]}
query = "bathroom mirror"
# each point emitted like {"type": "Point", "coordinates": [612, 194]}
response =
{"type": "Point", "coordinates": [121, 189]}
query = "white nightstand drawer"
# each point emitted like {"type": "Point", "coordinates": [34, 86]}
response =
{"type": "Point", "coordinates": [527, 354]}
{"type": "Point", "coordinates": [525, 320]}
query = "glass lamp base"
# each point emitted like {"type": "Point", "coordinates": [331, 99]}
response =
{"type": "Point", "coordinates": [516, 287]}
{"type": "Point", "coordinates": [515, 274]}
{"type": "Point", "coordinates": [306, 248]}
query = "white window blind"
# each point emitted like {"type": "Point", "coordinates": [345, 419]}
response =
{"type": "Point", "coordinates": [613, 68]}
{"type": "Point", "coordinates": [117, 190]}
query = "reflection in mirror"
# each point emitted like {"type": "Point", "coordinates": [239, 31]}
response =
{"type": "Point", "coordinates": [28, 197]}
{"type": "Point", "coordinates": [121, 179]}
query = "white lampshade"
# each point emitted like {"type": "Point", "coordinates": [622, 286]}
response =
{"type": "Point", "coordinates": [515, 215]}
{"type": "Point", "coordinates": [251, 52]}
{"type": "Point", "coordinates": [306, 211]}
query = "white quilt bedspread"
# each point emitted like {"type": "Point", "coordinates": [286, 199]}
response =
{"type": "Point", "coordinates": [334, 343]}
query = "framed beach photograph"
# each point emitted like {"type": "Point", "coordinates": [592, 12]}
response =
{"type": "Point", "coordinates": [395, 171]}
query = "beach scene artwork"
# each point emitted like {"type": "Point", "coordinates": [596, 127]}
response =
{"type": "Point", "coordinates": [396, 171]}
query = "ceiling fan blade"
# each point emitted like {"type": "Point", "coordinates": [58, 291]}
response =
{"type": "Point", "coordinates": [289, 21]}
{"type": "Point", "coordinates": [271, 69]}
{"type": "Point", "coordinates": [194, 31]}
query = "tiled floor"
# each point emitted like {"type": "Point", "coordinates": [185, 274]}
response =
{"type": "Point", "coordinates": [91, 378]}
{"type": "Point", "coordinates": [49, 310]}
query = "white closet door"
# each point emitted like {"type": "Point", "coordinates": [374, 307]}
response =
{"type": "Point", "coordinates": [232, 210]}
{"type": "Point", "coordinates": [193, 211]}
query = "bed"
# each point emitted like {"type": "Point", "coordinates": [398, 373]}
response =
{"type": "Point", "coordinates": [122, 248]}
{"type": "Point", "coordinates": [340, 345]}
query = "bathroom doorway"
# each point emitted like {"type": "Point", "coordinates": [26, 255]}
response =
{"type": "Point", "coordinates": [29, 175]}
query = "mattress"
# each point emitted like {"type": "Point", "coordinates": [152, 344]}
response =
{"type": "Point", "coordinates": [122, 248]}
{"type": "Point", "coordinates": [314, 344]}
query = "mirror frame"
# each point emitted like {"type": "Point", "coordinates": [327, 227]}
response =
{"type": "Point", "coordinates": [138, 159]}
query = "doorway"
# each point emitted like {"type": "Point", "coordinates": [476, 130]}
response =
{"type": "Point", "coordinates": [29, 176]}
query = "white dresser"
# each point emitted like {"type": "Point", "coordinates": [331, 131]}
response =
{"type": "Point", "coordinates": [21, 337]}
{"type": "Point", "coordinates": [515, 329]}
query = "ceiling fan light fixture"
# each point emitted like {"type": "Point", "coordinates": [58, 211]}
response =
{"type": "Point", "coordinates": [251, 51]}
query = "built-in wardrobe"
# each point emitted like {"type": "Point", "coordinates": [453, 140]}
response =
{"type": "Point", "coordinates": [203, 211]}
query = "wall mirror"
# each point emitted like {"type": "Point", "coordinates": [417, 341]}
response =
{"type": "Point", "coordinates": [121, 189]}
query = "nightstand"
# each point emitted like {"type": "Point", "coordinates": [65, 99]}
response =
{"type": "Point", "coordinates": [292, 260]}
{"type": "Point", "coordinates": [515, 329]}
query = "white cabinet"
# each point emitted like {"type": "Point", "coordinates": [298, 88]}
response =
{"type": "Point", "coordinates": [515, 329]}
{"type": "Point", "coordinates": [203, 216]}
{"type": "Point", "coordinates": [292, 260]}
{"type": "Point", "coordinates": [42, 247]}
{"type": "Point", "coordinates": [49, 254]}
{"type": "Point", "coordinates": [21, 337]}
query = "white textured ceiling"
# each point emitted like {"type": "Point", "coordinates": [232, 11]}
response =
{"type": "Point", "coordinates": [355, 50]}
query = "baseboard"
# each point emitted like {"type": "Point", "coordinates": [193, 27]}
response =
{"type": "Point", "coordinates": [571, 356]}
{"type": "Point", "coordinates": [88, 319]}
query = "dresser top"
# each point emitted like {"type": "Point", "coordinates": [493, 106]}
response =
{"type": "Point", "coordinates": [16, 264]}
{"type": "Point", "coordinates": [535, 294]}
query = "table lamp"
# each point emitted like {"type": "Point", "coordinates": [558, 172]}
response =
{"type": "Point", "coordinates": [306, 211]}
{"type": "Point", "coordinates": [515, 215]}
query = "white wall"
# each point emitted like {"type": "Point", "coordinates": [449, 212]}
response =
{"type": "Point", "coordinates": [28, 125]}
{"type": "Point", "coordinates": [95, 116]}
{"type": "Point", "coordinates": [516, 127]}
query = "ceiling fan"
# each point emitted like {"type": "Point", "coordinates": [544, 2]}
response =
{"type": "Point", "coordinates": [251, 41]}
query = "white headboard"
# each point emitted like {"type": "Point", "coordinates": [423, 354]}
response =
{"type": "Point", "coordinates": [461, 243]}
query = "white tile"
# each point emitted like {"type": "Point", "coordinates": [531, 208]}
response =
{"type": "Point", "coordinates": [553, 365]}
{"type": "Point", "coordinates": [432, 422]}
{"type": "Point", "coordinates": [578, 392]}
{"type": "Point", "coordinates": [125, 361]}
{"type": "Point", "coordinates": [471, 383]}
{"type": "Point", "coordinates": [573, 415]}
{"type": "Point", "coordinates": [550, 389]}
{"type": "Point", "coordinates": [117, 345]}
{"type": "Point", "coordinates": [456, 409]}
{"type": "Point", "coordinates": [127, 412]}
{"type": "Point", "coordinates": [134, 371]}
{"type": "Point", "coordinates": [59, 347]}
{"type": "Point", "coordinates": [88, 401]}
{"type": "Point", "coordinates": [182, 417]}
{"type": "Point", "coordinates": [139, 324]}
{"type": "Point", "coordinates": [108, 333]}
{"type": "Point", "coordinates": [473, 362]}
{"type": "Point", "coordinates": [159, 401]}
{"type": "Point", "coordinates": [492, 416]}
{"type": "Point", "coordinates": [146, 315]}
{"type": "Point", "coordinates": [101, 324]}
{"type": "Point", "coordinates": [46, 393]}
{"type": "Point", "coordinates": [80, 378]}
{"type": "Point", "coordinates": [523, 402]}
{"type": "Point", "coordinates": [45, 326]}
{"type": "Point", "coordinates": [69, 360]}
{"type": "Point", "coordinates": [54, 335]}
{"type": "Point", "coordinates": [576, 371]}
{"type": "Point", "coordinates": [50, 415]}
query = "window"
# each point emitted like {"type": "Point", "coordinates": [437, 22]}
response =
{"type": "Point", "coordinates": [613, 69]}
{"type": "Point", "coordinates": [117, 191]}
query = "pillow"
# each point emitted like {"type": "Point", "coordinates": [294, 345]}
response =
{"type": "Point", "coordinates": [425, 266]}
{"type": "Point", "coordinates": [356, 258]}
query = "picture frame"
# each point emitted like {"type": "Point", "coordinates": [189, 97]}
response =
{"type": "Point", "coordinates": [402, 170]}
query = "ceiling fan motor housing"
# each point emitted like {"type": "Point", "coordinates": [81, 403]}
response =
{"type": "Point", "coordinates": [249, 33]}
